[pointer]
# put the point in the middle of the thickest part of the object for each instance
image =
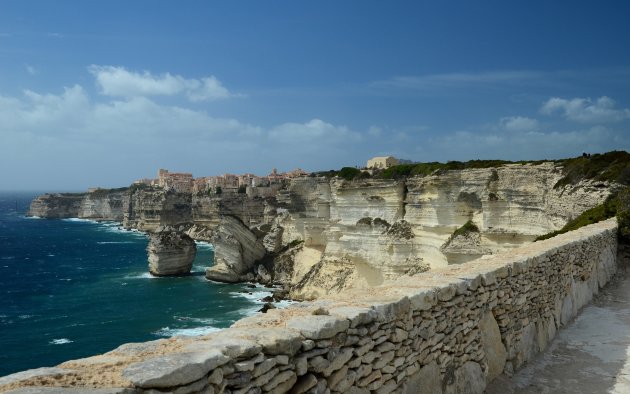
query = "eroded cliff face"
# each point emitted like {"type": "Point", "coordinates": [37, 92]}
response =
{"type": "Point", "coordinates": [351, 234]}
{"type": "Point", "coordinates": [236, 250]}
{"type": "Point", "coordinates": [378, 230]}
{"type": "Point", "coordinates": [56, 205]}
{"type": "Point", "coordinates": [511, 205]}
{"type": "Point", "coordinates": [103, 205]}
{"type": "Point", "coordinates": [147, 210]}
{"type": "Point", "coordinates": [233, 223]}
{"type": "Point", "coordinates": [170, 252]}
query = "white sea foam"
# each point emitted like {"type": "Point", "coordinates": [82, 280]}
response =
{"type": "Point", "coordinates": [144, 275]}
{"type": "Point", "coordinates": [199, 320]}
{"type": "Point", "coordinates": [120, 230]}
{"type": "Point", "coordinates": [255, 296]}
{"type": "Point", "coordinates": [7, 257]}
{"type": "Point", "coordinates": [189, 332]}
{"type": "Point", "coordinates": [204, 245]}
{"type": "Point", "coordinates": [79, 220]}
{"type": "Point", "coordinates": [30, 217]}
{"type": "Point", "coordinates": [60, 341]}
{"type": "Point", "coordinates": [114, 242]}
{"type": "Point", "coordinates": [115, 227]}
{"type": "Point", "coordinates": [284, 303]}
{"type": "Point", "coordinates": [50, 255]}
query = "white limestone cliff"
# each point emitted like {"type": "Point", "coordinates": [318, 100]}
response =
{"type": "Point", "coordinates": [170, 252]}
{"type": "Point", "coordinates": [352, 221]}
{"type": "Point", "coordinates": [236, 249]}
{"type": "Point", "coordinates": [103, 205]}
{"type": "Point", "coordinates": [351, 234]}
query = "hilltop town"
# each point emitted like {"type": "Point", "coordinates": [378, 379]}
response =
{"type": "Point", "coordinates": [250, 184]}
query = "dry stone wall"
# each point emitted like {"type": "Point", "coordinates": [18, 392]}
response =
{"type": "Point", "coordinates": [450, 330]}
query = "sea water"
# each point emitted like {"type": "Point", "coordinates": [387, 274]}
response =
{"type": "Point", "coordinates": [71, 288]}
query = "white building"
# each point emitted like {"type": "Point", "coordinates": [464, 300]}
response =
{"type": "Point", "coordinates": [382, 162]}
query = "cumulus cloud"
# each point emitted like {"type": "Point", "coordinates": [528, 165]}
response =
{"type": "Point", "coordinates": [44, 114]}
{"type": "Point", "coordinates": [136, 118]}
{"type": "Point", "coordinates": [313, 130]}
{"type": "Point", "coordinates": [518, 123]}
{"type": "Point", "coordinates": [68, 139]}
{"type": "Point", "coordinates": [586, 110]}
{"type": "Point", "coordinates": [73, 138]}
{"type": "Point", "coordinates": [120, 82]}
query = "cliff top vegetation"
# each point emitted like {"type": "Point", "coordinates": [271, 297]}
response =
{"type": "Point", "coordinates": [104, 192]}
{"type": "Point", "coordinates": [606, 167]}
{"type": "Point", "coordinates": [610, 166]}
{"type": "Point", "coordinates": [617, 204]}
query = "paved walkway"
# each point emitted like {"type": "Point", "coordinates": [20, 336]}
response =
{"type": "Point", "coordinates": [591, 356]}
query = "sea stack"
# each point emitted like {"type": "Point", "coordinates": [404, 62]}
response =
{"type": "Point", "coordinates": [170, 252]}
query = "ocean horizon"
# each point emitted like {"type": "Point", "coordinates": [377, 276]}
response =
{"type": "Point", "coordinates": [72, 288]}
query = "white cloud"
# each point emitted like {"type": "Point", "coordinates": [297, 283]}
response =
{"type": "Point", "coordinates": [314, 130]}
{"type": "Point", "coordinates": [586, 110]}
{"type": "Point", "coordinates": [65, 139]}
{"type": "Point", "coordinates": [119, 82]}
{"type": "Point", "coordinates": [74, 113]}
{"type": "Point", "coordinates": [31, 70]}
{"type": "Point", "coordinates": [526, 145]}
{"type": "Point", "coordinates": [72, 138]}
{"type": "Point", "coordinates": [518, 124]}
{"type": "Point", "coordinates": [44, 114]}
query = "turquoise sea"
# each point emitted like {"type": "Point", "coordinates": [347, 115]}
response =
{"type": "Point", "coordinates": [73, 288]}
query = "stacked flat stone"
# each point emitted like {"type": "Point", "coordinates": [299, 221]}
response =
{"type": "Point", "coordinates": [444, 331]}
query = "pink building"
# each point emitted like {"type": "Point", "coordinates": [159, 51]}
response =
{"type": "Point", "coordinates": [181, 182]}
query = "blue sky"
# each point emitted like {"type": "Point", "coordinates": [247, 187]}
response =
{"type": "Point", "coordinates": [102, 94]}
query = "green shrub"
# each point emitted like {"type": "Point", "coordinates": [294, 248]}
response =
{"type": "Point", "coordinates": [367, 221]}
{"type": "Point", "coordinates": [468, 227]}
{"type": "Point", "coordinates": [348, 173]}
{"type": "Point", "coordinates": [381, 222]}
{"type": "Point", "coordinates": [615, 205]}
{"type": "Point", "coordinates": [611, 166]}
{"type": "Point", "coordinates": [623, 214]}
{"type": "Point", "coordinates": [424, 169]}
{"type": "Point", "coordinates": [397, 172]}
{"type": "Point", "coordinates": [363, 175]}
